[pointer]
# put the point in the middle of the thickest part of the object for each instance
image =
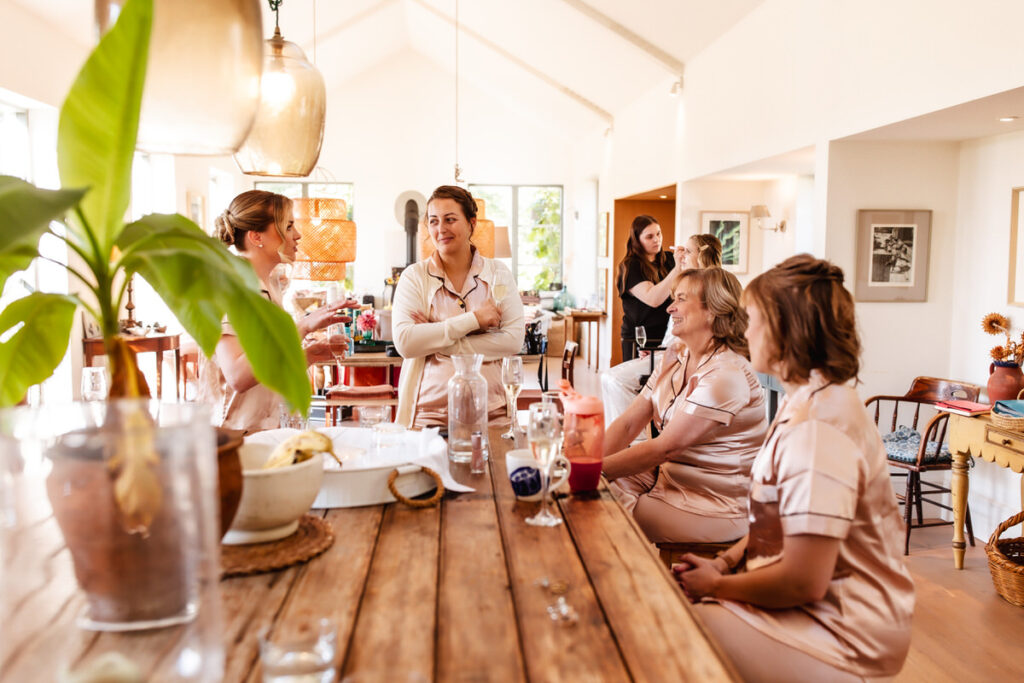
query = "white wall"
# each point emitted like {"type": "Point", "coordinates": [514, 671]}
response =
{"type": "Point", "coordinates": [900, 340]}
{"type": "Point", "coordinates": [989, 169]}
{"type": "Point", "coordinates": [37, 60]}
{"type": "Point", "coordinates": [796, 72]}
{"type": "Point", "coordinates": [390, 130]}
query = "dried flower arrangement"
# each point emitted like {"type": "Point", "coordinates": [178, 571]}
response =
{"type": "Point", "coordinates": [1013, 351]}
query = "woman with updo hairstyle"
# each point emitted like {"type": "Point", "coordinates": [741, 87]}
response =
{"type": "Point", "coordinates": [689, 483]}
{"type": "Point", "coordinates": [456, 301]}
{"type": "Point", "coordinates": [259, 227]}
{"type": "Point", "coordinates": [817, 591]}
{"type": "Point", "coordinates": [644, 280]}
{"type": "Point", "coordinates": [702, 250]}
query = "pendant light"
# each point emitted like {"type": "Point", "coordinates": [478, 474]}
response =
{"type": "Point", "coordinates": [202, 77]}
{"type": "Point", "coordinates": [328, 239]}
{"type": "Point", "coordinates": [289, 128]}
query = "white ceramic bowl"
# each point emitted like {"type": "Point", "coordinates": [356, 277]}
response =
{"type": "Point", "coordinates": [272, 500]}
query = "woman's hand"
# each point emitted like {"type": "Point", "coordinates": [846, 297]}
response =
{"type": "Point", "coordinates": [679, 254]}
{"type": "Point", "coordinates": [418, 317]}
{"type": "Point", "coordinates": [487, 315]}
{"type": "Point", "coordinates": [697, 575]}
{"type": "Point", "coordinates": [326, 315]}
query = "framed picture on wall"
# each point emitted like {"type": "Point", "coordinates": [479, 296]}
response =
{"type": "Point", "coordinates": [196, 208]}
{"type": "Point", "coordinates": [892, 255]}
{"type": "Point", "coordinates": [732, 228]}
{"type": "Point", "coordinates": [602, 235]}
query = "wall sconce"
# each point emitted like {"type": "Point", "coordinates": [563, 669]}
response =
{"type": "Point", "coordinates": [763, 217]}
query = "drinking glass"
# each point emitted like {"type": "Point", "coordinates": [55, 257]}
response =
{"type": "Point", "coordinates": [641, 338]}
{"type": "Point", "coordinates": [371, 415]}
{"type": "Point", "coordinates": [94, 384]}
{"type": "Point", "coordinates": [337, 340]}
{"type": "Point", "coordinates": [498, 292]}
{"type": "Point", "coordinates": [303, 653]}
{"type": "Point", "coordinates": [512, 380]}
{"type": "Point", "coordinates": [544, 432]}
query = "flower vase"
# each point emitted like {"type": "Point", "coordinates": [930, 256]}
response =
{"type": "Point", "coordinates": [1005, 381]}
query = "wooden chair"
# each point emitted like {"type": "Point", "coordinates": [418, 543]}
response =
{"type": "Point", "coordinates": [915, 452]}
{"type": "Point", "coordinates": [528, 396]}
{"type": "Point", "coordinates": [188, 369]}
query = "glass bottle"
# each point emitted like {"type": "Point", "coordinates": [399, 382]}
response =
{"type": "Point", "coordinates": [467, 408]}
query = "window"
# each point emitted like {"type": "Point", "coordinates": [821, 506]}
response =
{"type": "Point", "coordinates": [311, 189]}
{"type": "Point", "coordinates": [534, 214]}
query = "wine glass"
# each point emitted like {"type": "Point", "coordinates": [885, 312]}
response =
{"type": "Point", "coordinates": [94, 384]}
{"type": "Point", "coordinates": [498, 292]}
{"type": "Point", "coordinates": [641, 338]}
{"type": "Point", "coordinates": [544, 431]}
{"type": "Point", "coordinates": [337, 340]}
{"type": "Point", "coordinates": [512, 380]}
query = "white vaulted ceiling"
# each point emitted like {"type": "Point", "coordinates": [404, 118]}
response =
{"type": "Point", "coordinates": [569, 63]}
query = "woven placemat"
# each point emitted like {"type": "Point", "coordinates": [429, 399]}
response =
{"type": "Point", "coordinates": [313, 536]}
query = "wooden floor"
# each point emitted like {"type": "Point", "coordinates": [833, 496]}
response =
{"type": "Point", "coordinates": [963, 630]}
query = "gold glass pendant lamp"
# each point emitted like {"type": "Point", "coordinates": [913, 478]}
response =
{"type": "Point", "coordinates": [203, 74]}
{"type": "Point", "coordinates": [289, 128]}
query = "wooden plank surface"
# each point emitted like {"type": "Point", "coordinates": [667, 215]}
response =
{"type": "Point", "coordinates": [585, 651]}
{"type": "Point", "coordinates": [476, 640]}
{"type": "Point", "coordinates": [394, 634]}
{"type": "Point", "coordinates": [655, 629]}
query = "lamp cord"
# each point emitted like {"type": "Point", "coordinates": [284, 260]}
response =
{"type": "Point", "coordinates": [274, 7]}
{"type": "Point", "coordinates": [458, 171]}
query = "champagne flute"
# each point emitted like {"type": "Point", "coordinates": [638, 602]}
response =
{"type": "Point", "coordinates": [545, 434]}
{"type": "Point", "coordinates": [337, 340]}
{"type": "Point", "coordinates": [498, 292]}
{"type": "Point", "coordinates": [512, 380]}
{"type": "Point", "coordinates": [641, 338]}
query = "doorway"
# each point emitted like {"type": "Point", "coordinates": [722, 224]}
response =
{"type": "Point", "coordinates": [659, 203]}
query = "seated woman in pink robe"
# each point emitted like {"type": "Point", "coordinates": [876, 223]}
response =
{"type": "Point", "coordinates": [823, 595]}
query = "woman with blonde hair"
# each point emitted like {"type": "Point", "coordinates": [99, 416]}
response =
{"type": "Point", "coordinates": [817, 590]}
{"type": "Point", "coordinates": [621, 383]}
{"type": "Point", "coordinates": [259, 227]}
{"type": "Point", "coordinates": [455, 301]}
{"type": "Point", "coordinates": [690, 482]}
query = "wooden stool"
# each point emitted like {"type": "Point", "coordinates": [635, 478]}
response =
{"type": "Point", "coordinates": [673, 552]}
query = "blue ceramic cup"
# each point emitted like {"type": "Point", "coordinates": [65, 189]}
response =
{"type": "Point", "coordinates": [525, 476]}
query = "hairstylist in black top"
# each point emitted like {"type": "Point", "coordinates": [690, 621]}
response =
{"type": "Point", "coordinates": [644, 280]}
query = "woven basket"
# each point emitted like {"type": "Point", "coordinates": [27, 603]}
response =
{"type": "Point", "coordinates": [1006, 562]}
{"type": "Point", "coordinates": [1014, 424]}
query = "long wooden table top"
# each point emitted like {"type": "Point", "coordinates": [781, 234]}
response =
{"type": "Point", "coordinates": [451, 592]}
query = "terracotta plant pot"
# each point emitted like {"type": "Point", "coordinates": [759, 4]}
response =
{"type": "Point", "coordinates": [229, 475]}
{"type": "Point", "coordinates": [1005, 381]}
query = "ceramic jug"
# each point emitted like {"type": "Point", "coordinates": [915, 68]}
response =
{"type": "Point", "coordinates": [583, 439]}
{"type": "Point", "coordinates": [1005, 381]}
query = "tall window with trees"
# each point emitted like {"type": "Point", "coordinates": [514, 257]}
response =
{"type": "Point", "coordinates": [534, 216]}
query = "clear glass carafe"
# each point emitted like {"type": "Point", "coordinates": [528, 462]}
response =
{"type": "Point", "coordinates": [467, 408]}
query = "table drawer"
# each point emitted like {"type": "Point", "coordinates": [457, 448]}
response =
{"type": "Point", "coordinates": [1013, 441]}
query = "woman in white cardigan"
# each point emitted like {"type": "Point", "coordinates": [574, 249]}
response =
{"type": "Point", "coordinates": [446, 305]}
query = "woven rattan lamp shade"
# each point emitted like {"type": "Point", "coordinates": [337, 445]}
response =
{"type": "Point", "coordinates": [328, 239]}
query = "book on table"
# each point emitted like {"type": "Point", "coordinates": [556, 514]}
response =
{"type": "Point", "coordinates": [960, 407]}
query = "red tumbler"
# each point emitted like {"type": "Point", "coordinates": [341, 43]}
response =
{"type": "Point", "coordinates": [583, 440]}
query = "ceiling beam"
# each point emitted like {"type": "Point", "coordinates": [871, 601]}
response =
{"type": "Point", "coordinates": [673, 65]}
{"type": "Point", "coordinates": [537, 73]}
{"type": "Point", "coordinates": [351, 22]}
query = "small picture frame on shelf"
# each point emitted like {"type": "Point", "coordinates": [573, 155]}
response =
{"type": "Point", "coordinates": [732, 228]}
{"type": "Point", "coordinates": [892, 255]}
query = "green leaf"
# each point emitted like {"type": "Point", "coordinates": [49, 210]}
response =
{"type": "Point", "coordinates": [25, 214]}
{"type": "Point", "coordinates": [99, 123]}
{"type": "Point", "coordinates": [200, 281]}
{"type": "Point", "coordinates": [36, 348]}
{"type": "Point", "coordinates": [271, 343]}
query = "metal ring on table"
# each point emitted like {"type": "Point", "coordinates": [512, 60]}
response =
{"type": "Point", "coordinates": [433, 500]}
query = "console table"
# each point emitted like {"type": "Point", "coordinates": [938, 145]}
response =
{"type": "Point", "coordinates": [977, 436]}
{"type": "Point", "coordinates": [157, 343]}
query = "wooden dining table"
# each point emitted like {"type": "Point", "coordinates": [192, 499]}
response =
{"type": "Point", "coordinates": [460, 592]}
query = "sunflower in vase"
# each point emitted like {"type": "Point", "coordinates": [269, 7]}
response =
{"type": "Point", "coordinates": [1005, 378]}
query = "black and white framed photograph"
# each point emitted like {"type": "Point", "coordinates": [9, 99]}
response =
{"type": "Point", "coordinates": [892, 255]}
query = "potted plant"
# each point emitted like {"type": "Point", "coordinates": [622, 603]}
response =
{"type": "Point", "coordinates": [121, 483]}
{"type": "Point", "coordinates": [1005, 378]}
